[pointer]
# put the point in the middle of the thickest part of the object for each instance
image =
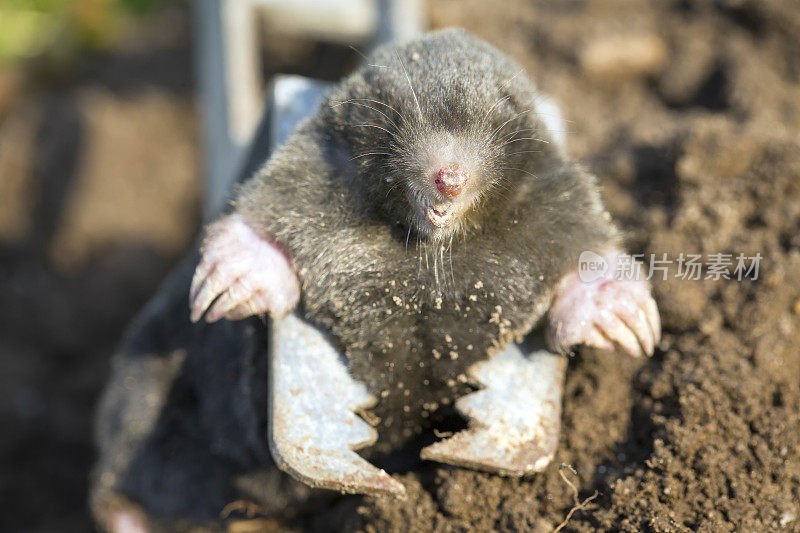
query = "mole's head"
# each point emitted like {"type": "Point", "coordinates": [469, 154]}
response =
{"type": "Point", "coordinates": [442, 129]}
{"type": "Point", "coordinates": [442, 173]}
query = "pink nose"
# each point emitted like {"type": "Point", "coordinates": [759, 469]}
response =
{"type": "Point", "coordinates": [451, 181]}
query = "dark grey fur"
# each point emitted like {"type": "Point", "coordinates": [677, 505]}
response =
{"type": "Point", "coordinates": [335, 197]}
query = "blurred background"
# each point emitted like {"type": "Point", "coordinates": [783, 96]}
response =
{"type": "Point", "coordinates": [101, 191]}
{"type": "Point", "coordinates": [688, 111]}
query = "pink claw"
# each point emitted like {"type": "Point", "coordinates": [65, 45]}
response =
{"type": "Point", "coordinates": [606, 313]}
{"type": "Point", "coordinates": [242, 274]}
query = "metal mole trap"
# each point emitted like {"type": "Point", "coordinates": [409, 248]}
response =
{"type": "Point", "coordinates": [313, 423]}
{"type": "Point", "coordinates": [514, 420]}
{"type": "Point", "coordinates": [314, 428]}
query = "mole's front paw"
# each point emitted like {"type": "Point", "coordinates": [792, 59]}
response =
{"type": "Point", "coordinates": [605, 313]}
{"type": "Point", "coordinates": [244, 272]}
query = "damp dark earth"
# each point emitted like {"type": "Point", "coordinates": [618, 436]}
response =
{"type": "Point", "coordinates": [688, 112]}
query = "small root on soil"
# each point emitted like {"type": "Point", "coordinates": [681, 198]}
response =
{"type": "Point", "coordinates": [579, 505]}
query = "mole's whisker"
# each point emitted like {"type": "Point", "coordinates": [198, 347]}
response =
{"type": "Point", "coordinates": [525, 139]}
{"type": "Point", "coordinates": [366, 59]}
{"type": "Point", "coordinates": [516, 132]}
{"type": "Point", "coordinates": [503, 125]}
{"type": "Point", "coordinates": [450, 251]}
{"type": "Point", "coordinates": [392, 188]}
{"type": "Point", "coordinates": [512, 78]}
{"type": "Point", "coordinates": [374, 101]}
{"type": "Point", "coordinates": [522, 170]}
{"type": "Point", "coordinates": [525, 152]}
{"type": "Point", "coordinates": [436, 271]}
{"type": "Point", "coordinates": [384, 115]}
{"type": "Point", "coordinates": [413, 92]}
{"type": "Point", "coordinates": [419, 256]}
{"type": "Point", "coordinates": [359, 156]}
{"type": "Point", "coordinates": [372, 126]}
{"type": "Point", "coordinates": [494, 106]}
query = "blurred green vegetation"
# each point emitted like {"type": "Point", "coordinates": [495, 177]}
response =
{"type": "Point", "coordinates": [60, 30]}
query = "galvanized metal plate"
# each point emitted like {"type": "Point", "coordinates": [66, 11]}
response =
{"type": "Point", "coordinates": [313, 423]}
{"type": "Point", "coordinates": [514, 420]}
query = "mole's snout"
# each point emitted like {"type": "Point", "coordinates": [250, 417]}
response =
{"type": "Point", "coordinates": [451, 180]}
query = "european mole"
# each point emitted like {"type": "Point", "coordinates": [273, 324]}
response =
{"type": "Point", "coordinates": [426, 216]}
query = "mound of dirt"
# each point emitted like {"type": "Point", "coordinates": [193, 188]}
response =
{"type": "Point", "coordinates": [689, 114]}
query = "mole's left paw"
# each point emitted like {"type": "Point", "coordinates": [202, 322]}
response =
{"type": "Point", "coordinates": [605, 313]}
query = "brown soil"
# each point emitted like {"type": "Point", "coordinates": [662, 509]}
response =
{"type": "Point", "coordinates": [697, 151]}
{"type": "Point", "coordinates": [99, 190]}
{"type": "Point", "coordinates": [689, 112]}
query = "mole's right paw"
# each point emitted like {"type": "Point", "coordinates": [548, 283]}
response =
{"type": "Point", "coordinates": [605, 312]}
{"type": "Point", "coordinates": [242, 274]}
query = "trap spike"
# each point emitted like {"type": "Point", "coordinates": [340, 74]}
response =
{"type": "Point", "coordinates": [313, 427]}
{"type": "Point", "coordinates": [514, 420]}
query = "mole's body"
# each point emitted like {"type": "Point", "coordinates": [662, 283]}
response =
{"type": "Point", "coordinates": [424, 215]}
